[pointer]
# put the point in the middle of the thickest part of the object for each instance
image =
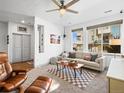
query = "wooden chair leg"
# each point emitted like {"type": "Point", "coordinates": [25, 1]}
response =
{"type": "Point", "coordinates": [75, 72]}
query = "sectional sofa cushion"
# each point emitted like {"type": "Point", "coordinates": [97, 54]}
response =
{"type": "Point", "coordinates": [79, 55]}
{"type": "Point", "coordinates": [89, 63]}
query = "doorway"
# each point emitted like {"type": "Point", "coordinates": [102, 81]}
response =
{"type": "Point", "coordinates": [21, 47]}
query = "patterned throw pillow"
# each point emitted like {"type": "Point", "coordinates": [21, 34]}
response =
{"type": "Point", "coordinates": [87, 57]}
{"type": "Point", "coordinates": [72, 55]}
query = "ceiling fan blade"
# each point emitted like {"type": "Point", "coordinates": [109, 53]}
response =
{"type": "Point", "coordinates": [72, 11]}
{"type": "Point", "coordinates": [57, 3]}
{"type": "Point", "coordinates": [52, 10]}
{"type": "Point", "coordinates": [71, 3]}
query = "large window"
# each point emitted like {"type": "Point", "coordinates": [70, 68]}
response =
{"type": "Point", "coordinates": [77, 39]}
{"type": "Point", "coordinates": [104, 39]}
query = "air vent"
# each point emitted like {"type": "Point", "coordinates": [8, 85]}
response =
{"type": "Point", "coordinates": [108, 11]}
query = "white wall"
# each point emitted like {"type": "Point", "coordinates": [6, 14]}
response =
{"type": "Point", "coordinates": [13, 28]}
{"type": "Point", "coordinates": [3, 36]}
{"type": "Point", "coordinates": [50, 50]}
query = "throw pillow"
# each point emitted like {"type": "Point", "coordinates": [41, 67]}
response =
{"type": "Point", "coordinates": [72, 55]}
{"type": "Point", "coordinates": [87, 57]}
{"type": "Point", "coordinates": [93, 58]}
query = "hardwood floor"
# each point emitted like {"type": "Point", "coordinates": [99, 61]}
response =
{"type": "Point", "coordinates": [27, 65]}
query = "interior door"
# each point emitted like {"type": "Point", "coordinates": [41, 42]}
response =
{"type": "Point", "coordinates": [17, 44]}
{"type": "Point", "coordinates": [26, 47]}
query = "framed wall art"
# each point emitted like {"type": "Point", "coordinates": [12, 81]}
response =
{"type": "Point", "coordinates": [55, 39]}
{"type": "Point", "coordinates": [40, 28]}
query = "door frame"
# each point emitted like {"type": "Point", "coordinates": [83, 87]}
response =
{"type": "Point", "coordinates": [22, 45]}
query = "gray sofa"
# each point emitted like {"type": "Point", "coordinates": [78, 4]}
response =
{"type": "Point", "coordinates": [98, 64]}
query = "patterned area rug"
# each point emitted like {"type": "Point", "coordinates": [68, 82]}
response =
{"type": "Point", "coordinates": [81, 80]}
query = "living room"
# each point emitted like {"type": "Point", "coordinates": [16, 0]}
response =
{"type": "Point", "coordinates": [31, 32]}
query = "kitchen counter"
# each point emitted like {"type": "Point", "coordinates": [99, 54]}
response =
{"type": "Point", "coordinates": [115, 76]}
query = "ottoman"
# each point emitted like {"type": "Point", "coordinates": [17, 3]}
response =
{"type": "Point", "coordinates": [40, 85]}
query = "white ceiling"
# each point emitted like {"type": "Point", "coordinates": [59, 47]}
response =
{"type": "Point", "coordinates": [88, 10]}
{"type": "Point", "coordinates": [14, 17]}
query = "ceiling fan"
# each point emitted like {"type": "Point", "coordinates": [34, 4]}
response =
{"type": "Point", "coordinates": [63, 8]}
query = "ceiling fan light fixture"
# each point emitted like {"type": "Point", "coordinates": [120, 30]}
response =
{"type": "Point", "coordinates": [23, 21]}
{"type": "Point", "coordinates": [62, 11]}
{"type": "Point", "coordinates": [62, 7]}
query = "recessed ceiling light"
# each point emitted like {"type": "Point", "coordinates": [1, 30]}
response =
{"type": "Point", "coordinates": [108, 11]}
{"type": "Point", "coordinates": [22, 21]}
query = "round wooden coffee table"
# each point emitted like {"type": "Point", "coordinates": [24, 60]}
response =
{"type": "Point", "coordinates": [74, 65]}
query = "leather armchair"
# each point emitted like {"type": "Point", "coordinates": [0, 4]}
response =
{"type": "Point", "coordinates": [10, 79]}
